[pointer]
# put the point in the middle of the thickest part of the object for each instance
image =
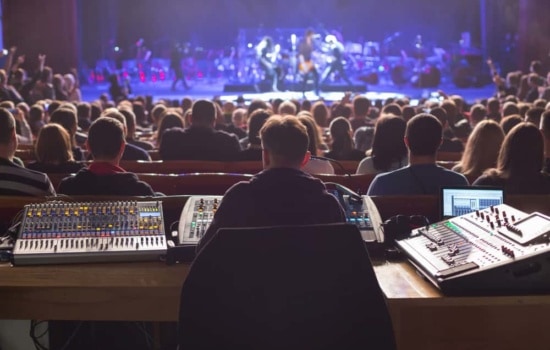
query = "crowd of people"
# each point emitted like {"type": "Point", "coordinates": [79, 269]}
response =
{"type": "Point", "coordinates": [503, 140]}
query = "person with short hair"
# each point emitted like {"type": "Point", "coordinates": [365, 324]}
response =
{"type": "Point", "coordinates": [255, 124]}
{"type": "Point", "coordinates": [281, 194]}
{"type": "Point", "coordinates": [423, 136]}
{"type": "Point", "coordinates": [14, 179]}
{"type": "Point", "coordinates": [131, 151]}
{"type": "Point", "coordinates": [106, 142]}
{"type": "Point", "coordinates": [200, 141]}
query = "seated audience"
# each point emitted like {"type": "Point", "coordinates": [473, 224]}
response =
{"type": "Point", "coordinates": [169, 120]}
{"type": "Point", "coordinates": [131, 152]}
{"type": "Point", "coordinates": [104, 176]}
{"type": "Point", "coordinates": [53, 151]}
{"type": "Point", "coordinates": [509, 122]}
{"type": "Point", "coordinates": [200, 141]}
{"type": "Point", "coordinates": [520, 163]}
{"type": "Point", "coordinates": [481, 150]}
{"type": "Point", "coordinates": [361, 108]}
{"type": "Point", "coordinates": [282, 194]}
{"type": "Point", "coordinates": [342, 147]}
{"type": "Point", "coordinates": [14, 179]}
{"type": "Point", "coordinates": [388, 148]}
{"type": "Point", "coordinates": [315, 165]}
{"type": "Point", "coordinates": [423, 137]}
{"type": "Point", "coordinates": [66, 117]}
{"type": "Point", "coordinates": [450, 143]}
{"type": "Point", "coordinates": [130, 119]}
{"type": "Point", "coordinates": [237, 123]}
{"type": "Point", "coordinates": [255, 122]}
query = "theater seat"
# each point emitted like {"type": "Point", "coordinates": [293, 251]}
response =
{"type": "Point", "coordinates": [291, 287]}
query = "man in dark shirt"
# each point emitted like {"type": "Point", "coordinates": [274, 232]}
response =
{"type": "Point", "coordinates": [200, 141]}
{"type": "Point", "coordinates": [131, 151]}
{"type": "Point", "coordinates": [14, 179]}
{"type": "Point", "coordinates": [281, 194]}
{"type": "Point", "coordinates": [104, 176]}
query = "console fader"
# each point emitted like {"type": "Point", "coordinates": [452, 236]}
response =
{"type": "Point", "coordinates": [498, 250]}
{"type": "Point", "coordinates": [74, 232]}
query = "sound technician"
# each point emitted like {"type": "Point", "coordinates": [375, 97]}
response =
{"type": "Point", "coordinates": [282, 194]}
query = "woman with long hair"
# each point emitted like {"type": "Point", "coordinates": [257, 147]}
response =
{"type": "Point", "coordinates": [388, 150]}
{"type": "Point", "coordinates": [482, 149]}
{"type": "Point", "coordinates": [53, 151]}
{"type": "Point", "coordinates": [519, 165]}
{"type": "Point", "coordinates": [315, 165]}
{"type": "Point", "coordinates": [342, 141]}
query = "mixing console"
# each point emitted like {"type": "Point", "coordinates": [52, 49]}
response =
{"type": "Point", "coordinates": [64, 232]}
{"type": "Point", "coordinates": [498, 250]}
{"type": "Point", "coordinates": [198, 212]}
{"type": "Point", "coordinates": [196, 216]}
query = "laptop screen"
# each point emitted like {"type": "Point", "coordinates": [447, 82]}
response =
{"type": "Point", "coordinates": [458, 201]}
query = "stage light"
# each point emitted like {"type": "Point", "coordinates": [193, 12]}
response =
{"type": "Point", "coordinates": [117, 49]}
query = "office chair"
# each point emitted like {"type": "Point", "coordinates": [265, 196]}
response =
{"type": "Point", "coordinates": [287, 287]}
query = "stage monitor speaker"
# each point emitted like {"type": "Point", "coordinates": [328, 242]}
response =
{"type": "Point", "coordinates": [241, 88]}
{"type": "Point", "coordinates": [371, 78]}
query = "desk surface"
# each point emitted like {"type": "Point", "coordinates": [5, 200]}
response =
{"type": "Point", "coordinates": [422, 317]}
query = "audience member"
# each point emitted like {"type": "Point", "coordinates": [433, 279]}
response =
{"type": "Point", "coordinates": [53, 151]}
{"type": "Point", "coordinates": [361, 108]}
{"type": "Point", "coordinates": [315, 165]}
{"type": "Point", "coordinates": [104, 176]}
{"type": "Point", "coordinates": [388, 147]}
{"type": "Point", "coordinates": [14, 179]}
{"type": "Point", "coordinates": [423, 137]}
{"type": "Point", "coordinates": [169, 120]}
{"type": "Point", "coordinates": [255, 122]}
{"type": "Point", "coordinates": [481, 151]}
{"type": "Point", "coordinates": [281, 194]}
{"type": "Point", "coordinates": [520, 163]}
{"type": "Point", "coordinates": [449, 143]}
{"type": "Point", "coordinates": [67, 119]}
{"type": "Point", "coordinates": [130, 119]}
{"type": "Point", "coordinates": [130, 152]}
{"type": "Point", "coordinates": [342, 147]}
{"type": "Point", "coordinates": [509, 122]}
{"type": "Point", "coordinates": [237, 123]}
{"type": "Point", "coordinates": [200, 141]}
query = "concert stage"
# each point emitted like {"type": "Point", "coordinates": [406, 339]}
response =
{"type": "Point", "coordinates": [218, 88]}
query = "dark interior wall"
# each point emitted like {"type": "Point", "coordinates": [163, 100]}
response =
{"type": "Point", "coordinates": [38, 26]}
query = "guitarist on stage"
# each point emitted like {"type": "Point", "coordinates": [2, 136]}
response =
{"type": "Point", "coordinates": [306, 67]}
{"type": "Point", "coordinates": [268, 55]}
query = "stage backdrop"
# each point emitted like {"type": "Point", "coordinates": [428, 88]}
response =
{"type": "Point", "coordinates": [216, 23]}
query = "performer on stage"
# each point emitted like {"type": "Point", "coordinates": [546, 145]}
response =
{"type": "Point", "coordinates": [268, 54]}
{"type": "Point", "coordinates": [336, 50]}
{"type": "Point", "coordinates": [175, 64]}
{"type": "Point", "coordinates": [306, 67]}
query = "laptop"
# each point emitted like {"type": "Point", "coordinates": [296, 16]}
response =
{"type": "Point", "coordinates": [457, 201]}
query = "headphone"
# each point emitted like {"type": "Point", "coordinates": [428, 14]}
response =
{"type": "Point", "coordinates": [401, 226]}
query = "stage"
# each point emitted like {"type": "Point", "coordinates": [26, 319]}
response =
{"type": "Point", "coordinates": [217, 88]}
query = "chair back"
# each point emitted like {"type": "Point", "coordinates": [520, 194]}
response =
{"type": "Point", "coordinates": [287, 287]}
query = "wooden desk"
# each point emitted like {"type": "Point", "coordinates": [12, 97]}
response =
{"type": "Point", "coordinates": [423, 319]}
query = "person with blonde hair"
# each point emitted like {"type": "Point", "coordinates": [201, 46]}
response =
{"type": "Point", "coordinates": [481, 151]}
